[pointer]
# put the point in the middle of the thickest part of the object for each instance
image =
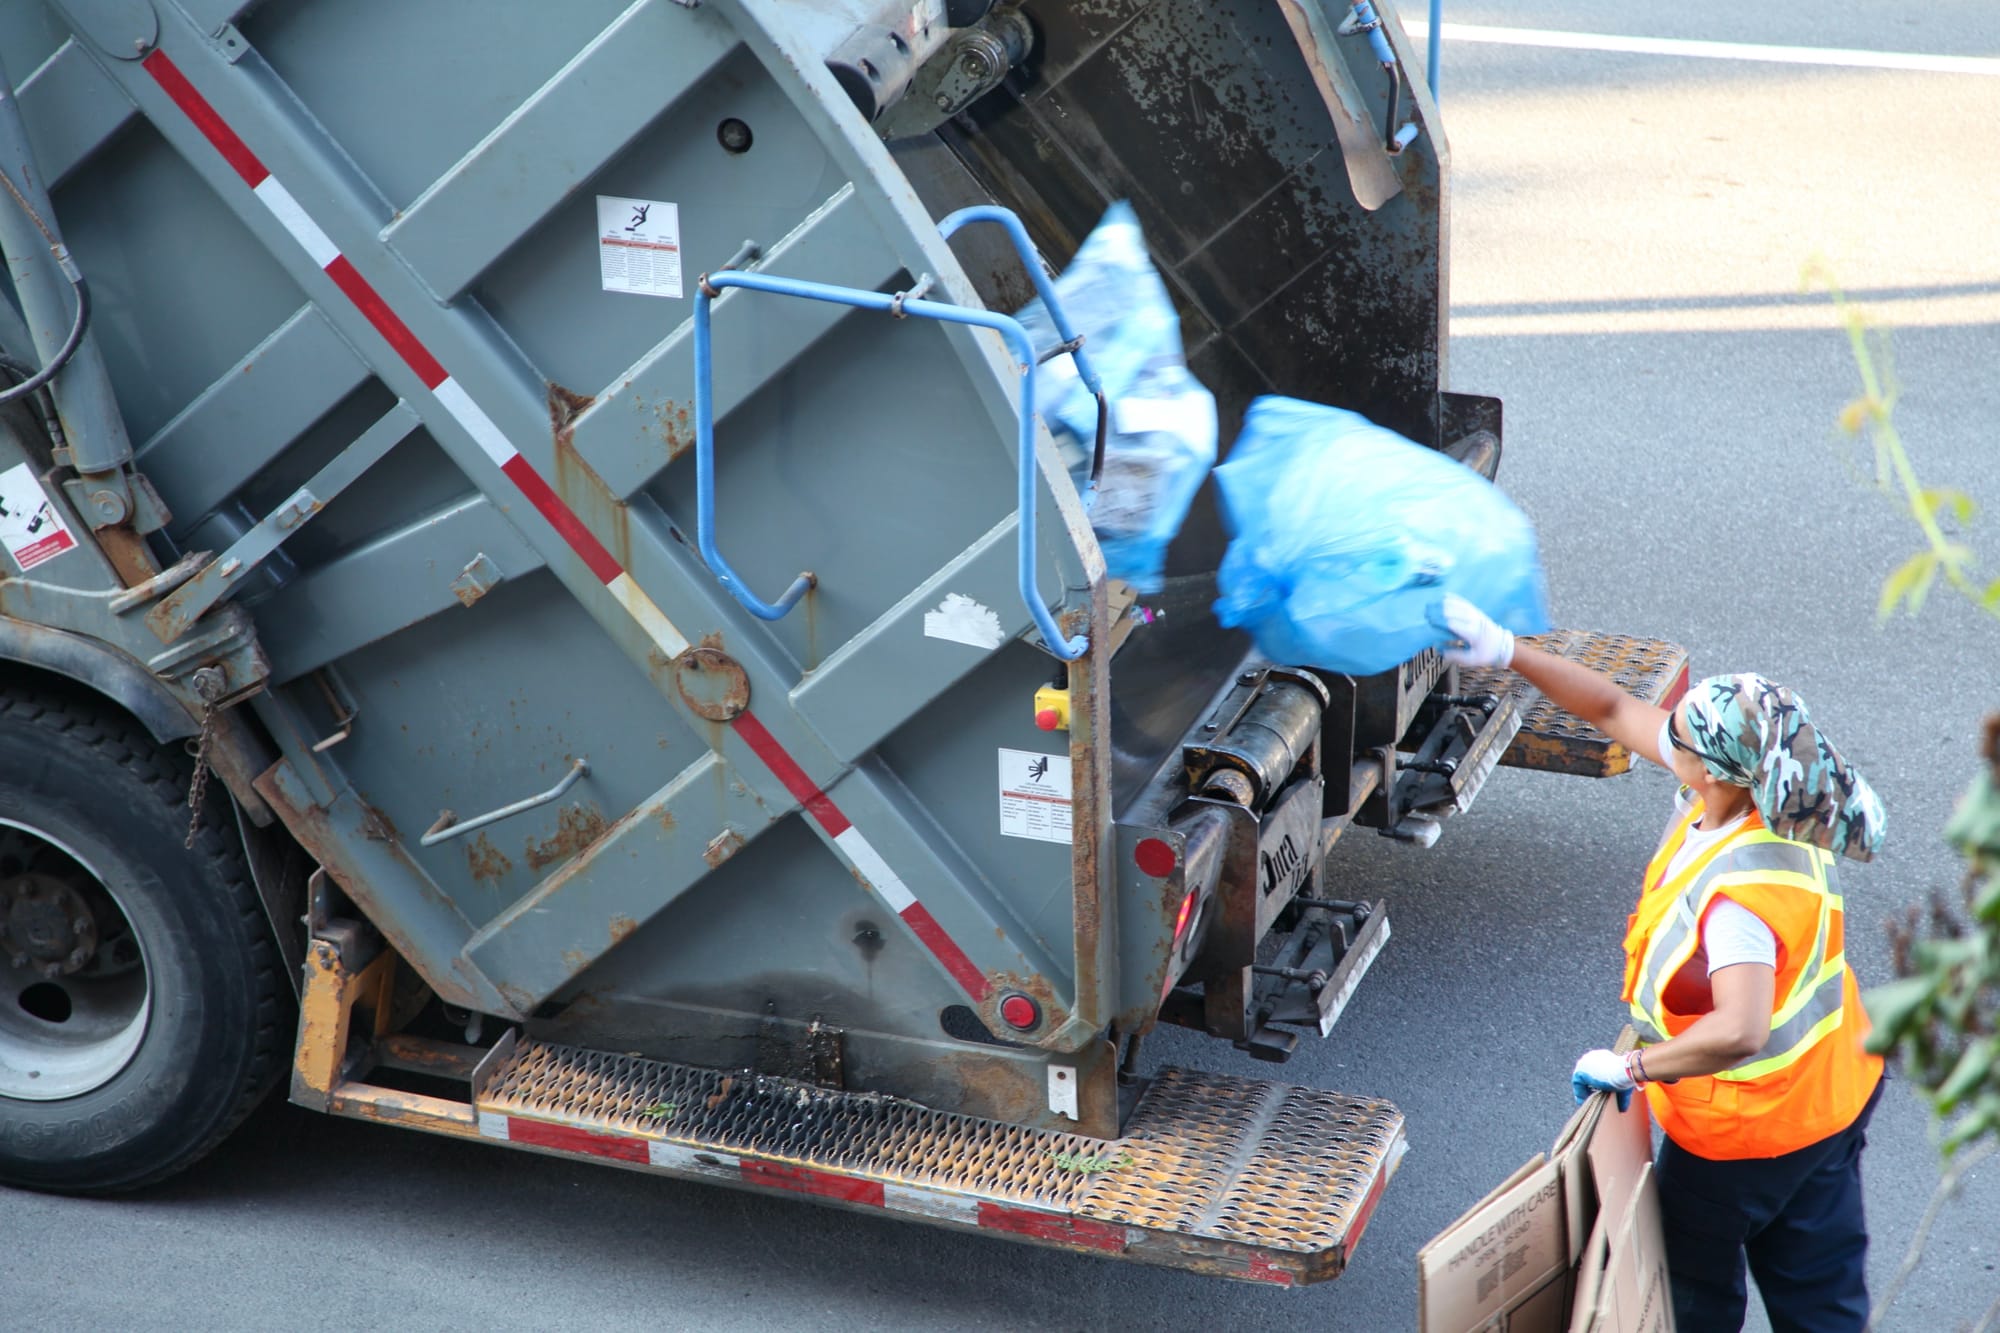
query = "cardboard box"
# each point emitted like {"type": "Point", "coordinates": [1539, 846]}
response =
{"type": "Point", "coordinates": [1569, 1243]}
{"type": "Point", "coordinates": [1508, 1256]}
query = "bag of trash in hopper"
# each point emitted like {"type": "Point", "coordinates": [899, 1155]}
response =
{"type": "Point", "coordinates": [1344, 536]}
{"type": "Point", "coordinates": [1161, 436]}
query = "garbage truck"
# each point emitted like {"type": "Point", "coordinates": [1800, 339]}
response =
{"type": "Point", "coordinates": [538, 606]}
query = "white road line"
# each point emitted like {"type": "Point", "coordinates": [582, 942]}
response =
{"type": "Point", "coordinates": [1988, 66]}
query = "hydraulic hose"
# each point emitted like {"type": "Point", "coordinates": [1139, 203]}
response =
{"type": "Point", "coordinates": [77, 327]}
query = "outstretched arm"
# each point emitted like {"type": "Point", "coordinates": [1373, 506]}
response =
{"type": "Point", "coordinates": [1594, 698]}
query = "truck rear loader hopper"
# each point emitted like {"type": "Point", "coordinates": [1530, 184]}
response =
{"type": "Point", "coordinates": [567, 473]}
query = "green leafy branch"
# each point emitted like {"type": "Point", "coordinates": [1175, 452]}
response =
{"type": "Point", "coordinates": [1941, 1016]}
{"type": "Point", "coordinates": [1940, 1019]}
{"type": "Point", "coordinates": [1874, 413]}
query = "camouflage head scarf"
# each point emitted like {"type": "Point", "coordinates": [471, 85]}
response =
{"type": "Point", "coordinates": [1754, 734]}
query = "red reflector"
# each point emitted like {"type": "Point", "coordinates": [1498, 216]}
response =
{"type": "Point", "coordinates": [1679, 690]}
{"type": "Point", "coordinates": [1155, 857]}
{"type": "Point", "coordinates": [1180, 930]}
{"type": "Point", "coordinates": [1020, 1012]}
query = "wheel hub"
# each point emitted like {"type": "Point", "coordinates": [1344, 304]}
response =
{"type": "Point", "coordinates": [46, 924]}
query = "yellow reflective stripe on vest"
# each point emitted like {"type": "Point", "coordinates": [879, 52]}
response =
{"type": "Point", "coordinates": [1830, 970]}
{"type": "Point", "coordinates": [1753, 878]}
{"type": "Point", "coordinates": [1811, 1008]}
{"type": "Point", "coordinates": [1808, 975]}
{"type": "Point", "coordinates": [1668, 950]}
{"type": "Point", "coordinates": [1760, 1066]}
{"type": "Point", "coordinates": [1679, 938]}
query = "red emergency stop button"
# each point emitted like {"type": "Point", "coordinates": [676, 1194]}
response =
{"type": "Point", "coordinates": [1052, 708]}
{"type": "Point", "coordinates": [1020, 1012]}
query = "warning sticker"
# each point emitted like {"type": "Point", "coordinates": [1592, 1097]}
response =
{"type": "Point", "coordinates": [30, 527]}
{"type": "Point", "coordinates": [639, 246]}
{"type": "Point", "coordinates": [1034, 795]}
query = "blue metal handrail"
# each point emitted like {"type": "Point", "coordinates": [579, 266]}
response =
{"type": "Point", "coordinates": [1031, 260]}
{"type": "Point", "coordinates": [1071, 341]}
{"type": "Point", "coordinates": [1432, 36]}
{"type": "Point", "coordinates": [1065, 647]}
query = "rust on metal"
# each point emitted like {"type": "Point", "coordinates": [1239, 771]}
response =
{"type": "Point", "coordinates": [565, 406]}
{"type": "Point", "coordinates": [603, 513]}
{"type": "Point", "coordinates": [446, 1059]}
{"type": "Point", "coordinates": [1090, 757]}
{"type": "Point", "coordinates": [236, 756]}
{"type": "Point", "coordinates": [376, 826]}
{"type": "Point", "coordinates": [712, 684]}
{"type": "Point", "coordinates": [621, 929]}
{"type": "Point", "coordinates": [1055, 1010]}
{"type": "Point", "coordinates": [487, 863]}
{"type": "Point", "coordinates": [410, 1109]}
{"type": "Point", "coordinates": [999, 1089]}
{"type": "Point", "coordinates": [721, 847]}
{"type": "Point", "coordinates": [310, 826]}
{"type": "Point", "coordinates": [326, 1013]}
{"type": "Point", "coordinates": [1234, 1176]}
{"type": "Point", "coordinates": [127, 553]}
{"type": "Point", "coordinates": [674, 428]}
{"type": "Point", "coordinates": [577, 826]}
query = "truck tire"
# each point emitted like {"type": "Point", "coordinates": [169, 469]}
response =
{"type": "Point", "coordinates": [142, 1011]}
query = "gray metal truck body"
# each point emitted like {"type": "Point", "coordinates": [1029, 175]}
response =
{"type": "Point", "coordinates": [381, 498]}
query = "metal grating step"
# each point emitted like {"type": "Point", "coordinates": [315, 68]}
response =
{"type": "Point", "coordinates": [1238, 1177]}
{"type": "Point", "coordinates": [1554, 741]}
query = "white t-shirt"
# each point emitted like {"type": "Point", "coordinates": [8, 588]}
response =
{"type": "Point", "coordinates": [1730, 933]}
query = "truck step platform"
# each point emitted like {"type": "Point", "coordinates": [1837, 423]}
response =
{"type": "Point", "coordinates": [1233, 1177]}
{"type": "Point", "coordinates": [1555, 742]}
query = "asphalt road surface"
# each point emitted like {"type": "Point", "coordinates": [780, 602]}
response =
{"type": "Point", "coordinates": [1628, 235]}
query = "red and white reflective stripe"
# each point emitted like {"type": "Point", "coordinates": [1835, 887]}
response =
{"type": "Point", "coordinates": [865, 860]}
{"type": "Point", "coordinates": [450, 394]}
{"type": "Point", "coordinates": [937, 1206]}
{"type": "Point", "coordinates": [494, 443]}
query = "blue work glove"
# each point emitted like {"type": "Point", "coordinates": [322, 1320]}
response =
{"type": "Point", "coordinates": [1601, 1071]}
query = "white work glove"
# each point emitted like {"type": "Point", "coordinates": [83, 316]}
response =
{"type": "Point", "coordinates": [1482, 643]}
{"type": "Point", "coordinates": [1601, 1071]}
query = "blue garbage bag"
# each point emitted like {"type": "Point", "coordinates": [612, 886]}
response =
{"type": "Point", "coordinates": [1344, 536]}
{"type": "Point", "coordinates": [1161, 438]}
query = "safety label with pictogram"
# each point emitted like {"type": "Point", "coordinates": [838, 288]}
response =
{"type": "Point", "coordinates": [639, 246]}
{"type": "Point", "coordinates": [30, 527]}
{"type": "Point", "coordinates": [1034, 795]}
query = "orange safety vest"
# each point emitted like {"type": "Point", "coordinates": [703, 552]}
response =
{"type": "Point", "coordinates": [1812, 1077]}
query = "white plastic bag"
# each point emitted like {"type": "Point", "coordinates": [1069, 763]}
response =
{"type": "Point", "coordinates": [1161, 437]}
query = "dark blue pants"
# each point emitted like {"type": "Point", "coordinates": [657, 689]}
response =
{"type": "Point", "coordinates": [1798, 1219]}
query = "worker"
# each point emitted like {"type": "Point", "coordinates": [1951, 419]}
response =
{"type": "Point", "coordinates": [1750, 1020]}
